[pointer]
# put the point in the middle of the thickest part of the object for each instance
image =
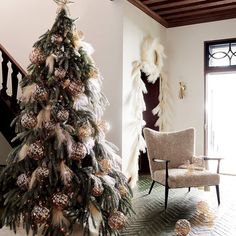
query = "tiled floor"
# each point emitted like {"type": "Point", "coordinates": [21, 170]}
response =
{"type": "Point", "coordinates": [151, 219]}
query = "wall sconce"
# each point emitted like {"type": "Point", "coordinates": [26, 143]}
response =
{"type": "Point", "coordinates": [182, 90]}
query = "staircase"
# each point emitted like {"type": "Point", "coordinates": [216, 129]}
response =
{"type": "Point", "coordinates": [9, 108]}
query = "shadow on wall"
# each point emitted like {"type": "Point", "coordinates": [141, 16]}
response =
{"type": "Point", "coordinates": [5, 148]}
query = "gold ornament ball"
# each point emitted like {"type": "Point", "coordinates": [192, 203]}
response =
{"type": "Point", "coordinates": [104, 126]}
{"type": "Point", "coordinates": [36, 150]}
{"type": "Point", "coordinates": [40, 94]}
{"type": "Point", "coordinates": [40, 214]}
{"type": "Point", "coordinates": [37, 56]}
{"type": "Point", "coordinates": [123, 190]}
{"type": "Point", "coordinates": [75, 88]}
{"type": "Point", "coordinates": [182, 227]}
{"type": "Point", "coordinates": [105, 165]}
{"type": "Point", "coordinates": [60, 73]}
{"type": "Point", "coordinates": [29, 120]}
{"type": "Point", "coordinates": [117, 220]}
{"type": "Point", "coordinates": [60, 200]}
{"type": "Point", "coordinates": [23, 181]}
{"type": "Point", "coordinates": [62, 115]}
{"type": "Point", "coordinates": [79, 151]}
{"type": "Point", "coordinates": [42, 173]}
{"type": "Point", "coordinates": [85, 131]}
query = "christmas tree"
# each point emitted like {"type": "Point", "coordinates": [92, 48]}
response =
{"type": "Point", "coordinates": [64, 176]}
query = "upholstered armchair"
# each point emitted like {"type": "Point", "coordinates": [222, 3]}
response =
{"type": "Point", "coordinates": [173, 164]}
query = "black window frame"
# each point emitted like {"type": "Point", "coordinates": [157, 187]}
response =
{"type": "Point", "coordinates": [211, 69]}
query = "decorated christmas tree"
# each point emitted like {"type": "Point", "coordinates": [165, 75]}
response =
{"type": "Point", "coordinates": [64, 177]}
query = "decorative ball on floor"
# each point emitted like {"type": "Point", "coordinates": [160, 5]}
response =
{"type": "Point", "coordinates": [182, 227]}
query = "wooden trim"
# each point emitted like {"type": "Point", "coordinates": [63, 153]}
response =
{"type": "Point", "coordinates": [148, 11]}
{"type": "Point", "coordinates": [12, 60]}
{"type": "Point", "coordinates": [147, 2]}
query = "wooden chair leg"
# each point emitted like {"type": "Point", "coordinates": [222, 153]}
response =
{"type": "Point", "coordinates": [189, 188]}
{"type": "Point", "coordinates": [218, 194]}
{"type": "Point", "coordinates": [153, 182]}
{"type": "Point", "coordinates": [166, 195]}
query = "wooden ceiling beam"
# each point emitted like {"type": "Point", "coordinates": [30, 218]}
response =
{"type": "Point", "coordinates": [148, 2]}
{"type": "Point", "coordinates": [176, 4]}
{"type": "Point", "coordinates": [201, 13]}
{"type": "Point", "coordinates": [195, 7]}
{"type": "Point", "coordinates": [148, 11]}
{"type": "Point", "coordinates": [201, 19]}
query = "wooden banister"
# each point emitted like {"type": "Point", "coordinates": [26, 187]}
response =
{"type": "Point", "coordinates": [9, 106]}
{"type": "Point", "coordinates": [16, 70]}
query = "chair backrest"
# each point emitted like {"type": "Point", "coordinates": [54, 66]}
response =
{"type": "Point", "coordinates": [178, 147]}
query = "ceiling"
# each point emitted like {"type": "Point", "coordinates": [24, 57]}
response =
{"type": "Point", "coordinates": [172, 13]}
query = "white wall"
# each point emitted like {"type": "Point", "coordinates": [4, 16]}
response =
{"type": "Point", "coordinates": [22, 22]}
{"type": "Point", "coordinates": [137, 25]}
{"type": "Point", "coordinates": [186, 63]}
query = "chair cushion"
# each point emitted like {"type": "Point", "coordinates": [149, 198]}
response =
{"type": "Point", "coordinates": [178, 147]}
{"type": "Point", "coordinates": [179, 178]}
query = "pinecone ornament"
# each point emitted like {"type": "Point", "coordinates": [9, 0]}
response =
{"type": "Point", "coordinates": [40, 214]}
{"type": "Point", "coordinates": [78, 151]}
{"type": "Point", "coordinates": [74, 88]}
{"type": "Point", "coordinates": [40, 94]}
{"type": "Point", "coordinates": [117, 220]}
{"type": "Point", "coordinates": [42, 173]}
{"type": "Point", "coordinates": [182, 227]}
{"type": "Point", "coordinates": [23, 181]}
{"type": "Point", "coordinates": [60, 200]}
{"type": "Point", "coordinates": [62, 115]}
{"type": "Point", "coordinates": [36, 150]}
{"type": "Point", "coordinates": [29, 120]}
{"type": "Point", "coordinates": [60, 73]}
{"type": "Point", "coordinates": [37, 56]}
{"type": "Point", "coordinates": [97, 189]}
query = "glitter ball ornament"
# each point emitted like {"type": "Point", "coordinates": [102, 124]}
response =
{"type": "Point", "coordinates": [37, 56]}
{"type": "Point", "coordinates": [97, 189]}
{"type": "Point", "coordinates": [60, 73]}
{"type": "Point", "coordinates": [78, 151]}
{"type": "Point", "coordinates": [117, 220]}
{"type": "Point", "coordinates": [85, 131]}
{"type": "Point", "coordinates": [36, 151]}
{"type": "Point", "coordinates": [23, 181]}
{"type": "Point", "coordinates": [105, 165]}
{"type": "Point", "coordinates": [182, 227]}
{"type": "Point", "coordinates": [42, 173]}
{"type": "Point", "coordinates": [29, 120]}
{"type": "Point", "coordinates": [62, 115]}
{"type": "Point", "coordinates": [40, 94]}
{"type": "Point", "coordinates": [56, 38]}
{"type": "Point", "coordinates": [40, 214]}
{"type": "Point", "coordinates": [75, 88]}
{"type": "Point", "coordinates": [60, 200]}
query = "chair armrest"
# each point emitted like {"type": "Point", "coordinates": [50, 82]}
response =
{"type": "Point", "coordinates": [163, 161]}
{"type": "Point", "coordinates": [214, 159]}
{"type": "Point", "coordinates": [160, 161]}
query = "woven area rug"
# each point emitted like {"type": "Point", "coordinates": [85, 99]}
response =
{"type": "Point", "coordinates": [151, 219]}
